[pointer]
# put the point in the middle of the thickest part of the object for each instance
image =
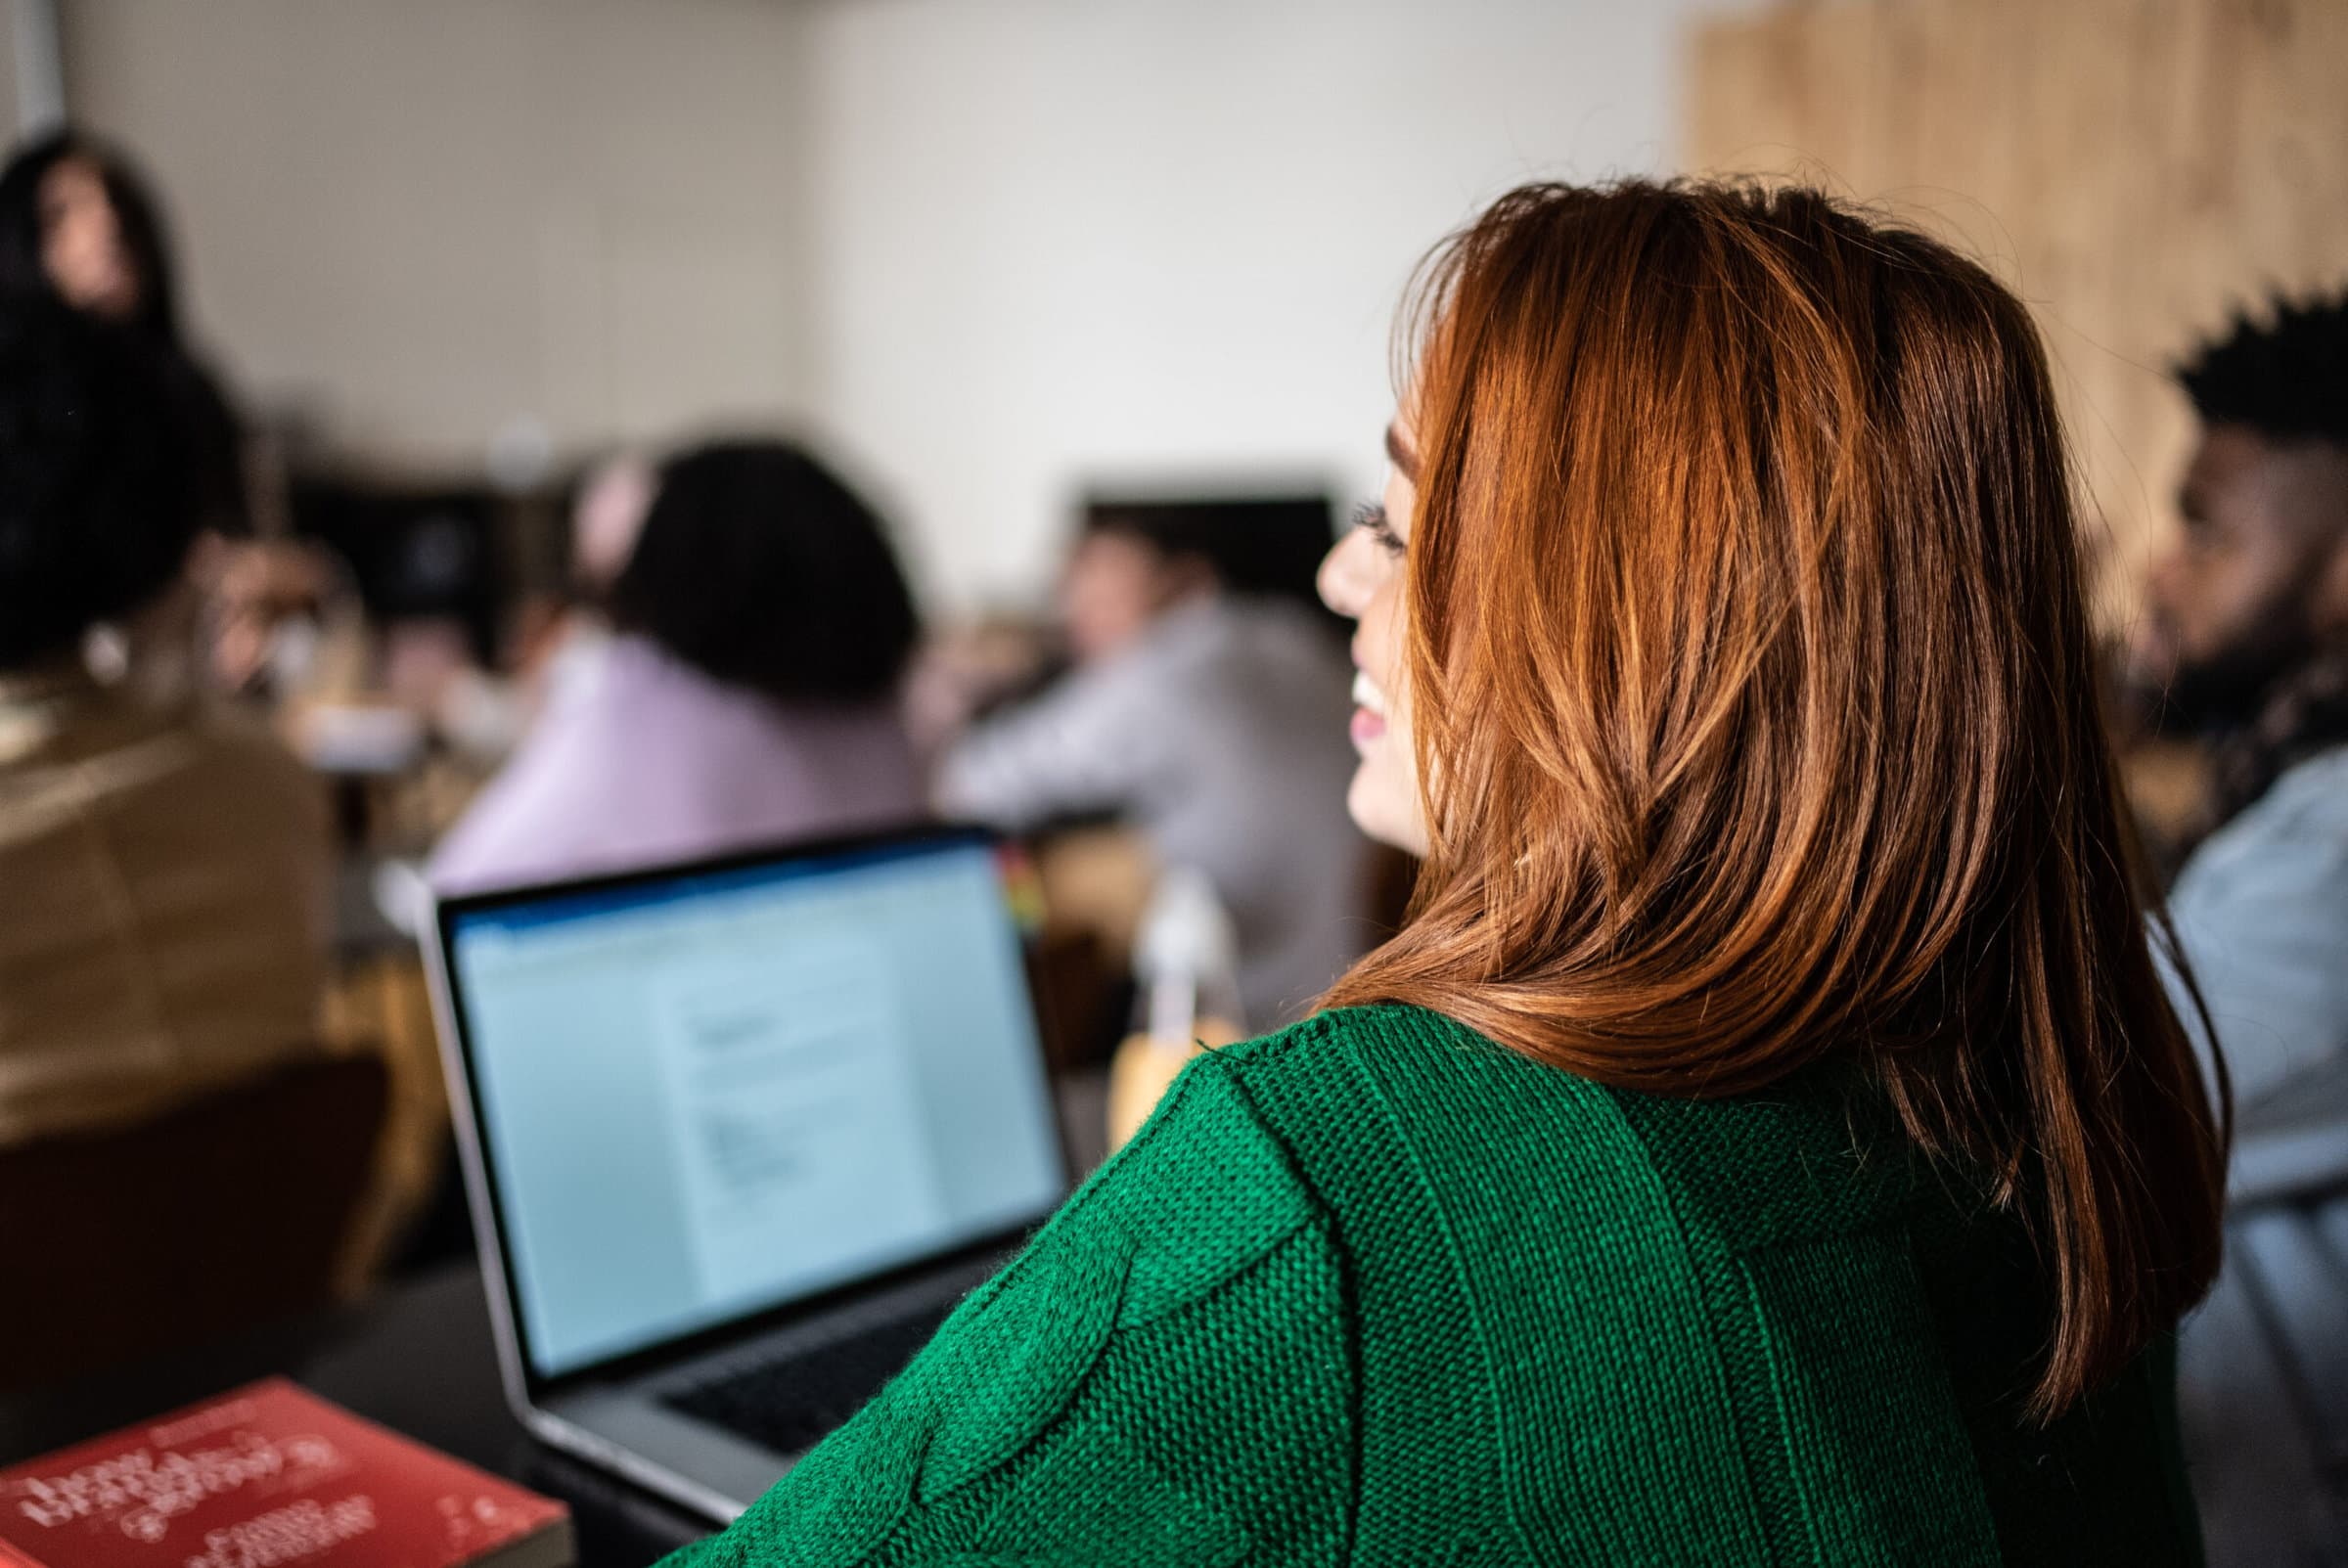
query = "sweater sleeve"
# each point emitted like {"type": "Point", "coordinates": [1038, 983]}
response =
{"type": "Point", "coordinates": [1163, 1376]}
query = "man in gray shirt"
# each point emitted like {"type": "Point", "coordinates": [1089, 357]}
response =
{"type": "Point", "coordinates": [1210, 717]}
{"type": "Point", "coordinates": [2244, 639]}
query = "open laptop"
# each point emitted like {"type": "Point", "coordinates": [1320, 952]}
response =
{"type": "Point", "coordinates": [737, 1135]}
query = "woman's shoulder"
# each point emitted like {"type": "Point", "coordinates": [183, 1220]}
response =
{"type": "Point", "coordinates": [1413, 1069]}
{"type": "Point", "coordinates": [1350, 1092]}
{"type": "Point", "coordinates": [1395, 1118]}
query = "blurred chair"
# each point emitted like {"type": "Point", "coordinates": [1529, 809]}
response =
{"type": "Point", "coordinates": [225, 1213]}
{"type": "Point", "coordinates": [414, 1214]}
{"type": "Point", "coordinates": [2263, 1364]}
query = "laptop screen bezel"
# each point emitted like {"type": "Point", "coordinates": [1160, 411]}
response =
{"type": "Point", "coordinates": [485, 1189]}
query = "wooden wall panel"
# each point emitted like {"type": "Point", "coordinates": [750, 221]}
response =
{"type": "Point", "coordinates": [2134, 169]}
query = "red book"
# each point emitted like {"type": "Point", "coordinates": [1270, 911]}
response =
{"type": "Point", "coordinates": [270, 1476]}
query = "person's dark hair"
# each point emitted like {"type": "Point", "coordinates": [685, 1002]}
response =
{"type": "Point", "coordinates": [2288, 379]}
{"type": "Point", "coordinates": [1265, 546]}
{"type": "Point", "coordinates": [213, 433]}
{"type": "Point", "coordinates": [96, 509]}
{"type": "Point", "coordinates": [757, 565]}
{"type": "Point", "coordinates": [21, 270]}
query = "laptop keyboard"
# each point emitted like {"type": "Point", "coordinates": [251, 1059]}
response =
{"type": "Point", "coordinates": [792, 1403]}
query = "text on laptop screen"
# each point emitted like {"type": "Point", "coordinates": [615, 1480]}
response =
{"type": "Point", "coordinates": [721, 1092]}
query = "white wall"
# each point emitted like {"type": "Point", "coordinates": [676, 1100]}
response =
{"type": "Point", "coordinates": [14, 20]}
{"type": "Point", "coordinates": [1053, 240]}
{"type": "Point", "coordinates": [423, 220]}
{"type": "Point", "coordinates": [994, 248]}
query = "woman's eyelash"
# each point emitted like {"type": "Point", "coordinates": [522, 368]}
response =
{"type": "Point", "coordinates": [1372, 516]}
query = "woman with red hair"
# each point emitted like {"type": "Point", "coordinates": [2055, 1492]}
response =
{"type": "Point", "coordinates": [1767, 1141]}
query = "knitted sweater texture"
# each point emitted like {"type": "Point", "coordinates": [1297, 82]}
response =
{"type": "Point", "coordinates": [1376, 1290]}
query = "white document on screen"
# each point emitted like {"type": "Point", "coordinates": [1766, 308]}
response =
{"type": "Point", "coordinates": [800, 1134]}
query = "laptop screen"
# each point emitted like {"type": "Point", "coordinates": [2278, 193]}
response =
{"type": "Point", "coordinates": [718, 1093]}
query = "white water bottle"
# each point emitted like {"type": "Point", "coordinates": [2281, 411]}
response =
{"type": "Point", "coordinates": [1186, 963]}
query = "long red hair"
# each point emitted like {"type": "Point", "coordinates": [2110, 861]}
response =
{"type": "Point", "coordinates": [1748, 661]}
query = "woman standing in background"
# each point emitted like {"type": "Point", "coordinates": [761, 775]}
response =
{"type": "Point", "coordinates": [79, 227]}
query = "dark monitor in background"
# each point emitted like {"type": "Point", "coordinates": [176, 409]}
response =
{"type": "Point", "coordinates": [1268, 544]}
{"type": "Point", "coordinates": [421, 554]}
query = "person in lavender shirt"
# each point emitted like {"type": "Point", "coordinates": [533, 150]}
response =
{"type": "Point", "coordinates": [760, 627]}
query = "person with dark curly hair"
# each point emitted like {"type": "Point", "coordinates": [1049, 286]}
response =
{"type": "Point", "coordinates": [164, 860]}
{"type": "Point", "coordinates": [747, 693]}
{"type": "Point", "coordinates": [2244, 642]}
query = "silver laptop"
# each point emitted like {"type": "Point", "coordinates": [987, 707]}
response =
{"type": "Point", "coordinates": [737, 1135]}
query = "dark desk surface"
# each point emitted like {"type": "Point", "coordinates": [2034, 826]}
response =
{"type": "Point", "coordinates": [416, 1358]}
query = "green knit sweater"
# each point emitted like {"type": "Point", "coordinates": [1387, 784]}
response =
{"type": "Point", "coordinates": [1376, 1290]}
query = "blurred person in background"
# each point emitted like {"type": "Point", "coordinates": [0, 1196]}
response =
{"type": "Point", "coordinates": [2244, 643]}
{"type": "Point", "coordinates": [1203, 709]}
{"type": "Point", "coordinates": [759, 628]}
{"type": "Point", "coordinates": [79, 226]}
{"type": "Point", "coordinates": [162, 862]}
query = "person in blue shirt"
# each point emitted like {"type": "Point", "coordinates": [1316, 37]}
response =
{"type": "Point", "coordinates": [2244, 642]}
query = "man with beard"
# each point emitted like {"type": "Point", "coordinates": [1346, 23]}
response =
{"type": "Point", "coordinates": [2244, 642]}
